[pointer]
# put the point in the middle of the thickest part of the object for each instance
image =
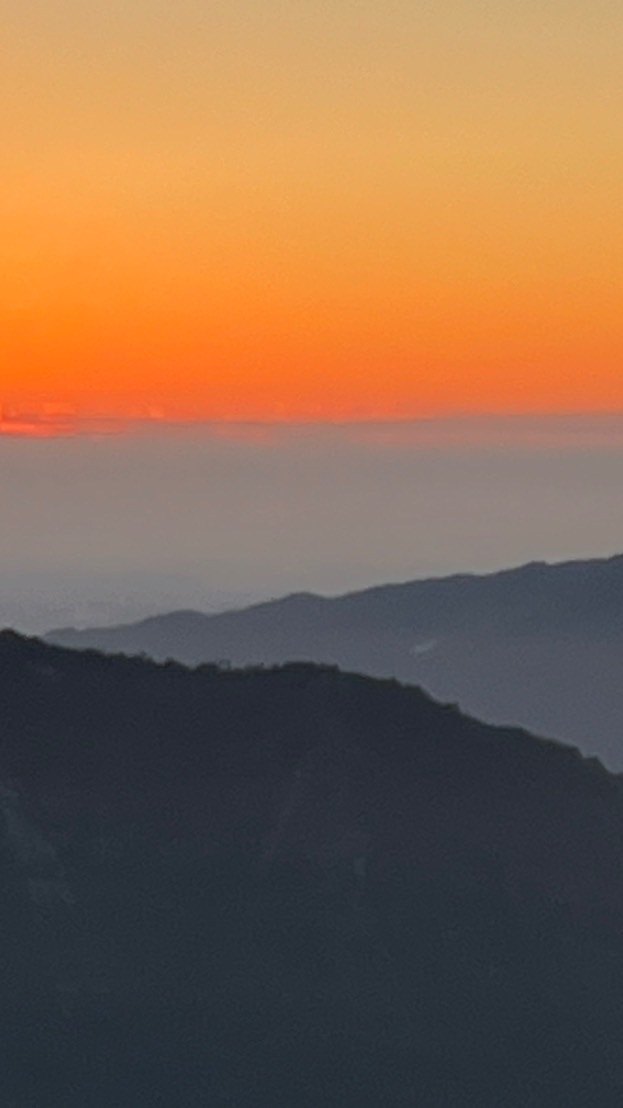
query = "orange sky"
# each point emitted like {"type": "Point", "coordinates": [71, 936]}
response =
{"type": "Point", "coordinates": [310, 210]}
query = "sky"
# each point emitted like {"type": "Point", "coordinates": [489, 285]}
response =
{"type": "Point", "coordinates": [304, 295]}
{"type": "Point", "coordinates": [303, 210]}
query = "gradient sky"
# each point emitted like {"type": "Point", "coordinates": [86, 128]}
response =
{"type": "Point", "coordinates": [309, 209]}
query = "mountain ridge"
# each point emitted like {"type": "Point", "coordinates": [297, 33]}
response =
{"type": "Point", "coordinates": [320, 599]}
{"type": "Point", "coordinates": [539, 646]}
{"type": "Point", "coordinates": [296, 886]}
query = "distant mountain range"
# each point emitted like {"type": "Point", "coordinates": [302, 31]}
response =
{"type": "Point", "coordinates": [297, 887]}
{"type": "Point", "coordinates": [540, 646]}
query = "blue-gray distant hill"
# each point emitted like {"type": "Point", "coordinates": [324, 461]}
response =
{"type": "Point", "coordinates": [540, 646]}
{"type": "Point", "coordinates": [294, 888]}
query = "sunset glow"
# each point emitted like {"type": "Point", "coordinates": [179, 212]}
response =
{"type": "Point", "coordinates": [309, 211]}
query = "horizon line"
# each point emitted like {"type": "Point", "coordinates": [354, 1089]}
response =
{"type": "Point", "coordinates": [55, 424]}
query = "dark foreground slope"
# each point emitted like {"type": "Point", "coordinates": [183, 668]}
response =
{"type": "Point", "coordinates": [540, 646]}
{"type": "Point", "coordinates": [296, 887]}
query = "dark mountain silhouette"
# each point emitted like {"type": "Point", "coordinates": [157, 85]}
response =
{"type": "Point", "coordinates": [296, 887]}
{"type": "Point", "coordinates": [540, 646]}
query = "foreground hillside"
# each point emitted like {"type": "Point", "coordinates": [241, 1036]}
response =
{"type": "Point", "coordinates": [296, 887]}
{"type": "Point", "coordinates": [540, 646]}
